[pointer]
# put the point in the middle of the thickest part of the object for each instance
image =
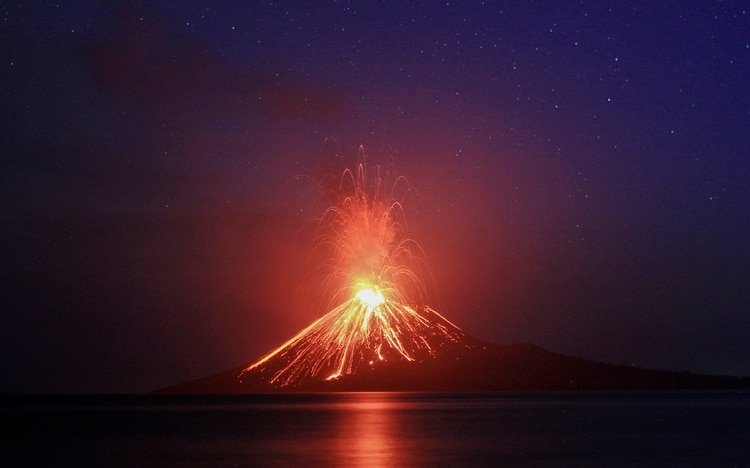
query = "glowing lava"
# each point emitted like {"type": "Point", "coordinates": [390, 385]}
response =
{"type": "Point", "coordinates": [371, 297]}
{"type": "Point", "coordinates": [373, 289]}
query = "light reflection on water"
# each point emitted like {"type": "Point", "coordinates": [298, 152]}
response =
{"type": "Point", "coordinates": [368, 434]}
{"type": "Point", "coordinates": [382, 429]}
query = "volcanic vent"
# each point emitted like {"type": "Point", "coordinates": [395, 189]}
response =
{"type": "Point", "coordinates": [374, 284]}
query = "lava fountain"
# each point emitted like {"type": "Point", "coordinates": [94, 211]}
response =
{"type": "Point", "coordinates": [373, 288]}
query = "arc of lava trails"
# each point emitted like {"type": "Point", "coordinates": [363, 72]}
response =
{"type": "Point", "coordinates": [374, 287]}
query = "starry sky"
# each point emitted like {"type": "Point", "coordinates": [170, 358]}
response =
{"type": "Point", "coordinates": [581, 170]}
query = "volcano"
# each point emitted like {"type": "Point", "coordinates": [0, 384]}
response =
{"type": "Point", "coordinates": [383, 336]}
{"type": "Point", "coordinates": [430, 354]}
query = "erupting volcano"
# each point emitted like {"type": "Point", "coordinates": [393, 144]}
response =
{"type": "Point", "coordinates": [377, 331]}
{"type": "Point", "coordinates": [375, 282]}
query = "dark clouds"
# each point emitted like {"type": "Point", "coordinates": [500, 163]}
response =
{"type": "Point", "coordinates": [144, 67]}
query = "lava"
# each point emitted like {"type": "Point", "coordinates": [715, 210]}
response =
{"type": "Point", "coordinates": [371, 297]}
{"type": "Point", "coordinates": [373, 288]}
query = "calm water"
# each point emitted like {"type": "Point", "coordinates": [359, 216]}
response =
{"type": "Point", "coordinates": [381, 429]}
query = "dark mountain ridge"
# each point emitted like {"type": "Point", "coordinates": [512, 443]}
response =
{"type": "Point", "coordinates": [483, 367]}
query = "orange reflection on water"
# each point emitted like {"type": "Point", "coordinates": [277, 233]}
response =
{"type": "Point", "coordinates": [370, 434]}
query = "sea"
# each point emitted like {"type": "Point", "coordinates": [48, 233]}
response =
{"type": "Point", "coordinates": [379, 429]}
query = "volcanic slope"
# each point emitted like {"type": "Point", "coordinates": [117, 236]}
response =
{"type": "Point", "coordinates": [357, 337]}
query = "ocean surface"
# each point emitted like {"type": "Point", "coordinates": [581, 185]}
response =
{"type": "Point", "coordinates": [380, 429]}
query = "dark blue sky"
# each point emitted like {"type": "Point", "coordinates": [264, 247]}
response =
{"type": "Point", "coordinates": [582, 171]}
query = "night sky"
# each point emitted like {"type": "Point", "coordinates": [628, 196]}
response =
{"type": "Point", "coordinates": [582, 172]}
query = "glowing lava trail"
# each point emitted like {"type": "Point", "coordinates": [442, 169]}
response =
{"type": "Point", "coordinates": [374, 284]}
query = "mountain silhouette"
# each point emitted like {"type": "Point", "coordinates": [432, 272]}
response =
{"type": "Point", "coordinates": [473, 366]}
